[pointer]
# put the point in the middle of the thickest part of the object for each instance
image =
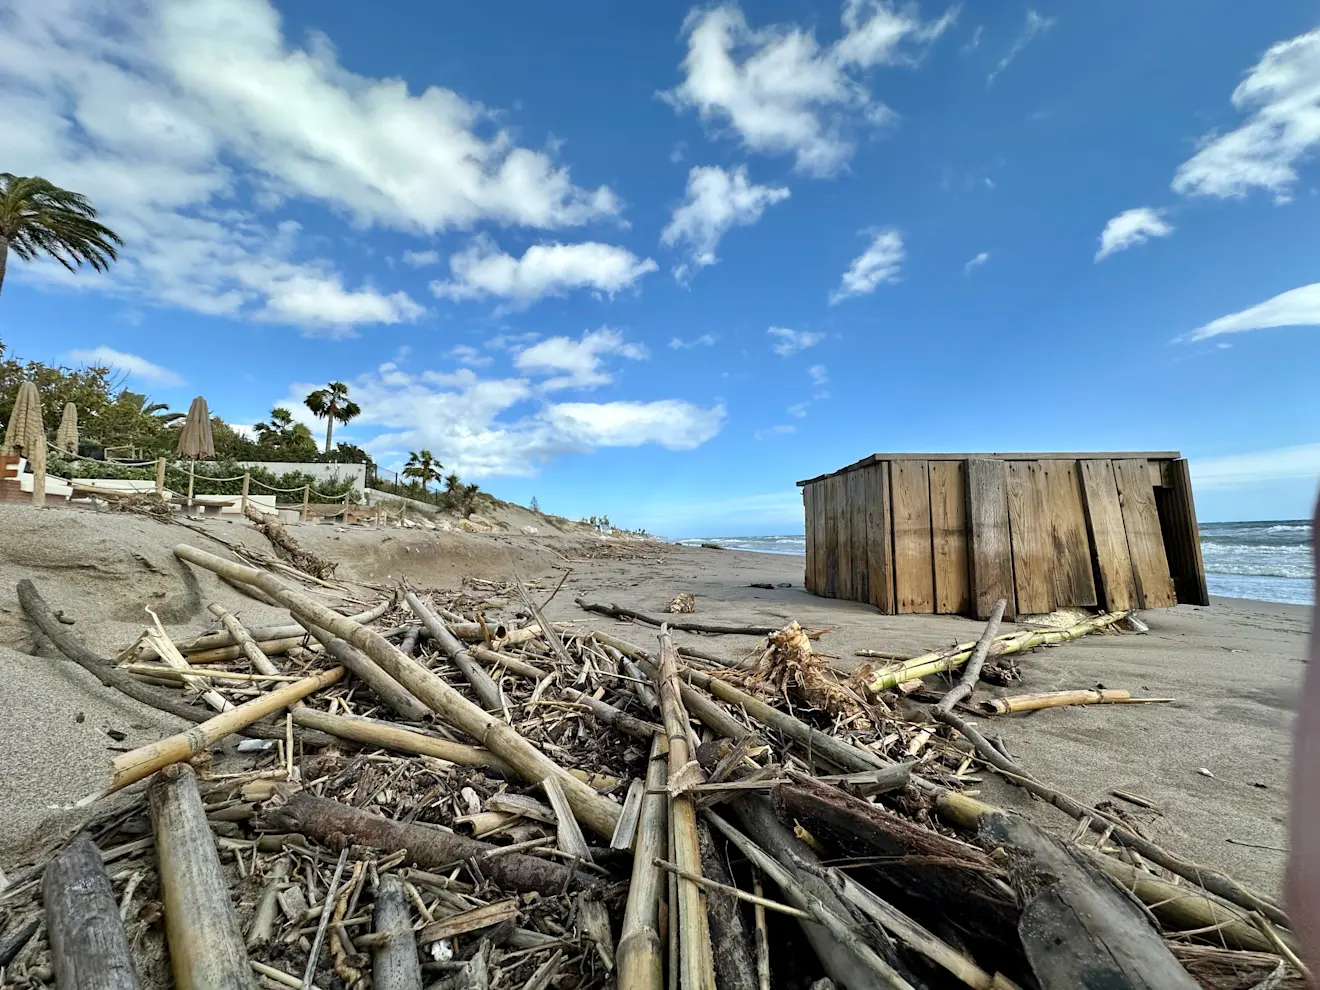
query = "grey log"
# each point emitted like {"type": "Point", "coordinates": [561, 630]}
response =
{"type": "Point", "coordinates": [206, 946]}
{"type": "Point", "coordinates": [87, 944]}
{"type": "Point", "coordinates": [485, 687]}
{"type": "Point", "coordinates": [394, 963]}
{"type": "Point", "coordinates": [396, 697]}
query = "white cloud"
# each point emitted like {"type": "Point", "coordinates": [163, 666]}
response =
{"type": "Point", "coordinates": [191, 124]}
{"type": "Point", "coordinates": [792, 341]}
{"type": "Point", "coordinates": [485, 428]}
{"type": "Point", "coordinates": [470, 356]}
{"type": "Point", "coordinates": [705, 340]}
{"type": "Point", "coordinates": [420, 259]}
{"type": "Point", "coordinates": [1130, 228]}
{"type": "Point", "coordinates": [318, 302]}
{"type": "Point", "coordinates": [881, 262]}
{"type": "Point", "coordinates": [976, 262]}
{"type": "Point", "coordinates": [819, 374]}
{"type": "Point", "coordinates": [798, 409]}
{"type": "Point", "coordinates": [577, 363]}
{"type": "Point", "coordinates": [1295, 308]}
{"type": "Point", "coordinates": [780, 92]}
{"type": "Point", "coordinates": [1300, 461]}
{"type": "Point", "coordinates": [1034, 27]}
{"type": "Point", "coordinates": [774, 431]}
{"type": "Point", "coordinates": [716, 201]}
{"type": "Point", "coordinates": [132, 364]}
{"type": "Point", "coordinates": [974, 42]}
{"type": "Point", "coordinates": [482, 269]}
{"type": "Point", "coordinates": [1282, 94]}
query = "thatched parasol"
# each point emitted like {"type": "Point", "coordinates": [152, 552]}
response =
{"type": "Point", "coordinates": [26, 436]}
{"type": "Point", "coordinates": [26, 433]}
{"type": "Point", "coordinates": [66, 439]}
{"type": "Point", "coordinates": [195, 440]}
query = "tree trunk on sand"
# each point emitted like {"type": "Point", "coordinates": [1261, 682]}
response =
{"type": "Point", "coordinates": [322, 818]}
{"type": "Point", "coordinates": [87, 943]}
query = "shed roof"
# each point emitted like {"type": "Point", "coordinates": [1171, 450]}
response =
{"type": "Point", "coordinates": [1107, 455]}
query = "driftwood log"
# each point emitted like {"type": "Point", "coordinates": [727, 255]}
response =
{"type": "Point", "coordinates": [1077, 929]}
{"type": "Point", "coordinates": [331, 822]}
{"type": "Point", "coordinates": [206, 946]}
{"type": "Point", "coordinates": [394, 963]}
{"type": "Point", "coordinates": [734, 951]}
{"type": "Point", "coordinates": [88, 947]}
{"type": "Point", "coordinates": [619, 612]}
{"type": "Point", "coordinates": [39, 612]}
{"type": "Point", "coordinates": [639, 957]}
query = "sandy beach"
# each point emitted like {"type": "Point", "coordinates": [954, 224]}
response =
{"type": "Point", "coordinates": [1215, 762]}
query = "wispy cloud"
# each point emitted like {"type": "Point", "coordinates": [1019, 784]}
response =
{"type": "Point", "coordinates": [1282, 92]}
{"type": "Point", "coordinates": [1031, 30]}
{"type": "Point", "coordinates": [1295, 308]}
{"type": "Point", "coordinates": [792, 341]}
{"type": "Point", "coordinates": [715, 201]}
{"type": "Point", "coordinates": [976, 262]}
{"type": "Point", "coordinates": [130, 364]}
{"type": "Point", "coordinates": [881, 262]}
{"type": "Point", "coordinates": [1130, 228]}
{"type": "Point", "coordinates": [774, 431]}
{"type": "Point", "coordinates": [1300, 461]}
{"type": "Point", "coordinates": [420, 259]}
{"type": "Point", "coordinates": [819, 374]}
{"type": "Point", "coordinates": [679, 344]}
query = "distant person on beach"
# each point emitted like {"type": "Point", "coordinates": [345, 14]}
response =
{"type": "Point", "coordinates": [1304, 824]}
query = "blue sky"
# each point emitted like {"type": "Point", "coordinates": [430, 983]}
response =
{"type": "Point", "coordinates": [661, 261]}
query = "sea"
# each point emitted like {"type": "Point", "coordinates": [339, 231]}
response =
{"type": "Point", "coordinates": [1268, 561]}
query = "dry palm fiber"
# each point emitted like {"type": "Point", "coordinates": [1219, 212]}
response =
{"type": "Point", "coordinates": [25, 434]}
{"type": "Point", "coordinates": [280, 538]}
{"type": "Point", "coordinates": [786, 665]}
{"type": "Point", "coordinates": [682, 603]}
{"type": "Point", "coordinates": [195, 441]}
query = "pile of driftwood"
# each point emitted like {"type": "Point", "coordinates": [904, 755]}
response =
{"type": "Point", "coordinates": [446, 790]}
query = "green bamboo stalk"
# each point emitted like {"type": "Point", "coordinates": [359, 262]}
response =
{"type": "Point", "coordinates": [937, 663]}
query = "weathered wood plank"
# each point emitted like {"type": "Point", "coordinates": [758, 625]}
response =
{"type": "Point", "coordinates": [914, 568]}
{"type": "Point", "coordinates": [1178, 516]}
{"type": "Point", "coordinates": [1104, 524]}
{"type": "Point", "coordinates": [1044, 455]}
{"type": "Point", "coordinates": [880, 538]}
{"type": "Point", "coordinates": [812, 540]}
{"type": "Point", "coordinates": [861, 582]}
{"type": "Point", "coordinates": [1141, 519]}
{"type": "Point", "coordinates": [844, 588]}
{"type": "Point", "coordinates": [830, 524]}
{"type": "Point", "coordinates": [948, 528]}
{"type": "Point", "coordinates": [1029, 531]}
{"type": "Point", "coordinates": [990, 549]}
{"type": "Point", "coordinates": [1074, 580]}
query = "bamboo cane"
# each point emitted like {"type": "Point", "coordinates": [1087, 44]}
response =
{"type": "Point", "coordinates": [693, 929]}
{"type": "Point", "coordinates": [596, 812]}
{"type": "Point", "coordinates": [396, 697]}
{"type": "Point", "coordinates": [206, 946]}
{"type": "Point", "coordinates": [130, 767]}
{"type": "Point", "coordinates": [88, 948]}
{"type": "Point", "coordinates": [262, 634]}
{"type": "Point", "coordinates": [639, 958]}
{"type": "Point", "coordinates": [936, 663]}
{"type": "Point", "coordinates": [394, 963]}
{"type": "Point", "coordinates": [486, 689]}
{"type": "Point", "coordinates": [1063, 699]}
{"type": "Point", "coordinates": [387, 735]}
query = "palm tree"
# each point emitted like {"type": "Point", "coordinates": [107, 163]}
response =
{"type": "Point", "coordinates": [333, 405]}
{"type": "Point", "coordinates": [38, 217]}
{"type": "Point", "coordinates": [424, 467]}
{"type": "Point", "coordinates": [280, 421]}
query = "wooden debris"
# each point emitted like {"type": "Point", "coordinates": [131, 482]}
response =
{"type": "Point", "coordinates": [682, 603]}
{"type": "Point", "coordinates": [87, 942]}
{"type": "Point", "coordinates": [1062, 699]}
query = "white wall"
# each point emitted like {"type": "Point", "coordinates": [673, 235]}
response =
{"type": "Point", "coordinates": [322, 472]}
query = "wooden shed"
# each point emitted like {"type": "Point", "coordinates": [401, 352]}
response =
{"type": "Point", "coordinates": [953, 533]}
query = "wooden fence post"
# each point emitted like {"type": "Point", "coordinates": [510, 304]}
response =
{"type": "Point", "coordinates": [247, 476]}
{"type": "Point", "coordinates": [160, 477]}
{"type": "Point", "coordinates": [307, 497]}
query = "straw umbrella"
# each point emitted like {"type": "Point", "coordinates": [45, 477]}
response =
{"type": "Point", "coordinates": [66, 439]}
{"type": "Point", "coordinates": [26, 436]}
{"type": "Point", "coordinates": [195, 440]}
